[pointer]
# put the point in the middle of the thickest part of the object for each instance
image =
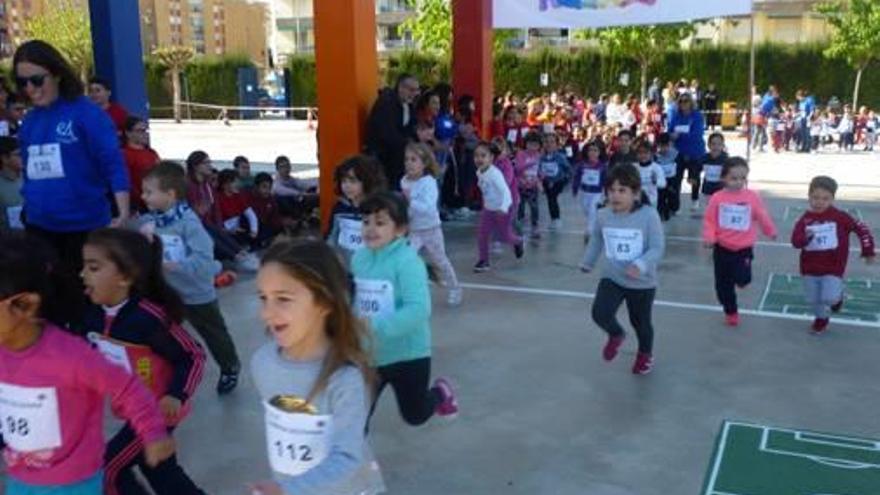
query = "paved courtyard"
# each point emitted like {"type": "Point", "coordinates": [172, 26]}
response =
{"type": "Point", "coordinates": [541, 411]}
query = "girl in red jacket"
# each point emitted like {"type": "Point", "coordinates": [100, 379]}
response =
{"type": "Point", "coordinates": [822, 235]}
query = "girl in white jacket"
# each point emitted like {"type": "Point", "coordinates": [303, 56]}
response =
{"type": "Point", "coordinates": [425, 235]}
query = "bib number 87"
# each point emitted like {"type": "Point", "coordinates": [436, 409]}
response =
{"type": "Point", "coordinates": [11, 425]}
{"type": "Point", "coordinates": [301, 453]}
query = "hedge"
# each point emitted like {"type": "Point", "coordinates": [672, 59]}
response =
{"type": "Point", "coordinates": [211, 80]}
{"type": "Point", "coordinates": [590, 71]}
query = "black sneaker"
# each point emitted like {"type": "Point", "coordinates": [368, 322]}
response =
{"type": "Point", "coordinates": [836, 307]}
{"type": "Point", "coordinates": [517, 250]}
{"type": "Point", "coordinates": [481, 267]}
{"type": "Point", "coordinates": [227, 383]}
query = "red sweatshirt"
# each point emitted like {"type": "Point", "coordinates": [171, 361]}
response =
{"type": "Point", "coordinates": [139, 162]}
{"type": "Point", "coordinates": [266, 210]}
{"type": "Point", "coordinates": [823, 239]}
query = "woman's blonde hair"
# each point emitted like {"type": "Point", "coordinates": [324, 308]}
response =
{"type": "Point", "coordinates": [427, 157]}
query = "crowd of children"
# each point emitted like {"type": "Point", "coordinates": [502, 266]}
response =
{"type": "Point", "coordinates": [349, 315]}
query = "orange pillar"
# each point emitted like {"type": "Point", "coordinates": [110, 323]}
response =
{"type": "Point", "coordinates": [472, 66]}
{"type": "Point", "coordinates": [347, 73]}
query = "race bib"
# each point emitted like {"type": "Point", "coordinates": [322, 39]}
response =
{"type": "Point", "coordinates": [623, 244]}
{"type": "Point", "coordinates": [669, 169]}
{"type": "Point", "coordinates": [173, 250]}
{"type": "Point", "coordinates": [591, 177]}
{"type": "Point", "coordinates": [549, 128]}
{"type": "Point", "coordinates": [232, 224]}
{"type": "Point", "coordinates": [296, 442]}
{"type": "Point", "coordinates": [13, 217]}
{"type": "Point", "coordinates": [29, 418]}
{"type": "Point", "coordinates": [4, 128]}
{"type": "Point", "coordinates": [531, 173]}
{"type": "Point", "coordinates": [824, 237]}
{"type": "Point", "coordinates": [735, 217]}
{"type": "Point", "coordinates": [44, 162]}
{"type": "Point", "coordinates": [569, 152]}
{"type": "Point", "coordinates": [374, 298]}
{"type": "Point", "coordinates": [511, 136]}
{"type": "Point", "coordinates": [713, 173]}
{"type": "Point", "coordinates": [350, 234]}
{"type": "Point", "coordinates": [550, 169]}
{"type": "Point", "coordinates": [524, 130]}
{"type": "Point", "coordinates": [647, 176]}
{"type": "Point", "coordinates": [682, 129]}
{"type": "Point", "coordinates": [112, 351]}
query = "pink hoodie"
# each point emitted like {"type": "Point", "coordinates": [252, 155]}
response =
{"type": "Point", "coordinates": [731, 216]}
{"type": "Point", "coordinates": [71, 380]}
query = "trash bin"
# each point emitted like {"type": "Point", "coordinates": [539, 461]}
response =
{"type": "Point", "coordinates": [729, 116]}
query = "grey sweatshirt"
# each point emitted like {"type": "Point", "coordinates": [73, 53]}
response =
{"type": "Point", "coordinates": [633, 238]}
{"type": "Point", "coordinates": [189, 247]}
{"type": "Point", "coordinates": [349, 468]}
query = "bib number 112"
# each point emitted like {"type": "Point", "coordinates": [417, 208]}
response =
{"type": "Point", "coordinates": [296, 453]}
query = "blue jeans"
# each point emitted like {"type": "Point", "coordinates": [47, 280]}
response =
{"type": "Point", "coordinates": [92, 486]}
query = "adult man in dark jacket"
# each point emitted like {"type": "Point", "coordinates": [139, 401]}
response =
{"type": "Point", "coordinates": [391, 126]}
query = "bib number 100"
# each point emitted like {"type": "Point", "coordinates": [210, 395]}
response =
{"type": "Point", "coordinates": [296, 453]}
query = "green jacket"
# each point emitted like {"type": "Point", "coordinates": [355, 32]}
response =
{"type": "Point", "coordinates": [401, 333]}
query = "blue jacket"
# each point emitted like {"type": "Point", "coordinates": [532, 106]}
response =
{"type": "Point", "coordinates": [556, 164]}
{"type": "Point", "coordinates": [807, 107]}
{"type": "Point", "coordinates": [72, 196]}
{"type": "Point", "coordinates": [691, 145]}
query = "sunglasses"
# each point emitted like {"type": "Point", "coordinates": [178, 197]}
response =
{"type": "Point", "coordinates": [36, 81]}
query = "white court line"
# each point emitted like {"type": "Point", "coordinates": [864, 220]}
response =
{"type": "Point", "coordinates": [668, 304]}
{"type": "Point", "coordinates": [722, 445]}
{"type": "Point", "coordinates": [766, 291]}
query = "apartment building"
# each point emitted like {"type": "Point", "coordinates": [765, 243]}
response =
{"type": "Point", "coordinates": [211, 27]}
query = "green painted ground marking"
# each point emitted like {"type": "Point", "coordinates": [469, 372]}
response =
{"type": "Point", "coordinates": [785, 294]}
{"type": "Point", "coordinates": [753, 459]}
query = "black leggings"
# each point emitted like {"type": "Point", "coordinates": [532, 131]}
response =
{"type": "Point", "coordinates": [639, 302]}
{"type": "Point", "coordinates": [68, 307]}
{"type": "Point", "coordinates": [409, 379]}
{"type": "Point", "coordinates": [226, 247]}
{"type": "Point", "coordinates": [694, 168]}
{"type": "Point", "coordinates": [528, 197]}
{"type": "Point", "coordinates": [553, 190]}
{"type": "Point", "coordinates": [124, 452]}
{"type": "Point", "coordinates": [732, 269]}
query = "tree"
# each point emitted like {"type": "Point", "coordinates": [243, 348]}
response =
{"type": "Point", "coordinates": [431, 26]}
{"type": "Point", "coordinates": [644, 44]}
{"type": "Point", "coordinates": [856, 36]}
{"type": "Point", "coordinates": [175, 58]}
{"type": "Point", "coordinates": [66, 26]}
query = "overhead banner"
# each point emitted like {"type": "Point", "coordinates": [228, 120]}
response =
{"type": "Point", "coordinates": [605, 13]}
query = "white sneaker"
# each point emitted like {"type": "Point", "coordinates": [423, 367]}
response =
{"type": "Point", "coordinates": [556, 224]}
{"type": "Point", "coordinates": [455, 297]}
{"type": "Point", "coordinates": [247, 262]}
{"type": "Point", "coordinates": [695, 206]}
{"type": "Point", "coordinates": [497, 248]}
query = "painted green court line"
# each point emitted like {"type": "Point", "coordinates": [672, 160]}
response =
{"type": "Point", "coordinates": [752, 459]}
{"type": "Point", "coordinates": [785, 294]}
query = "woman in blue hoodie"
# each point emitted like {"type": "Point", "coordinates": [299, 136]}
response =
{"type": "Point", "coordinates": [71, 159]}
{"type": "Point", "coordinates": [686, 128]}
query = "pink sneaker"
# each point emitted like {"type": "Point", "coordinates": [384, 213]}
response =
{"type": "Point", "coordinates": [448, 407]}
{"type": "Point", "coordinates": [611, 347]}
{"type": "Point", "coordinates": [732, 320]}
{"type": "Point", "coordinates": [643, 365]}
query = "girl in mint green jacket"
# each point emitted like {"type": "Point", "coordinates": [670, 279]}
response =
{"type": "Point", "coordinates": [392, 294]}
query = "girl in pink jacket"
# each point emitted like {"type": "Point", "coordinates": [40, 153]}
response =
{"type": "Point", "coordinates": [730, 229]}
{"type": "Point", "coordinates": [52, 389]}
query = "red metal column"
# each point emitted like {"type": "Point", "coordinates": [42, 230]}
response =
{"type": "Point", "coordinates": [472, 66]}
{"type": "Point", "coordinates": [348, 78]}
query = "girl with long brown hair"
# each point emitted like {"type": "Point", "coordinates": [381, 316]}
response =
{"type": "Point", "coordinates": [313, 376]}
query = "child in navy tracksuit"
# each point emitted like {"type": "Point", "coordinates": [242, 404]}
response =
{"type": "Point", "coordinates": [712, 164]}
{"type": "Point", "coordinates": [669, 199]}
{"type": "Point", "coordinates": [555, 170]}
{"type": "Point", "coordinates": [134, 321]}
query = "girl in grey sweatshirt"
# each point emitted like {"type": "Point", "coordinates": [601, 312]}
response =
{"type": "Point", "coordinates": [629, 231]}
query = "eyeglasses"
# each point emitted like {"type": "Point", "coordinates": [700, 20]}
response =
{"type": "Point", "coordinates": [36, 81]}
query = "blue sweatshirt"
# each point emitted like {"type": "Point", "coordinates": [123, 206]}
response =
{"type": "Point", "coordinates": [71, 158]}
{"type": "Point", "coordinates": [590, 178]}
{"type": "Point", "coordinates": [555, 167]}
{"type": "Point", "coordinates": [690, 143]}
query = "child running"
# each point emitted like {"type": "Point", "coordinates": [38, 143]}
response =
{"type": "Point", "coordinates": [555, 172]}
{"type": "Point", "coordinates": [54, 387]}
{"type": "Point", "coordinates": [713, 163]}
{"type": "Point", "coordinates": [313, 376]}
{"type": "Point", "coordinates": [392, 294]}
{"type": "Point", "coordinates": [653, 176]}
{"type": "Point", "coordinates": [497, 206]}
{"type": "Point", "coordinates": [632, 236]}
{"type": "Point", "coordinates": [356, 178]}
{"type": "Point", "coordinates": [528, 173]}
{"type": "Point", "coordinates": [589, 182]}
{"type": "Point", "coordinates": [425, 235]}
{"type": "Point", "coordinates": [729, 229]}
{"type": "Point", "coordinates": [189, 264]}
{"type": "Point", "coordinates": [822, 235]}
{"type": "Point", "coordinates": [668, 198]}
{"type": "Point", "coordinates": [135, 322]}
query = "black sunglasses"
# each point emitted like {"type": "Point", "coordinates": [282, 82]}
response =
{"type": "Point", "coordinates": [36, 81]}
